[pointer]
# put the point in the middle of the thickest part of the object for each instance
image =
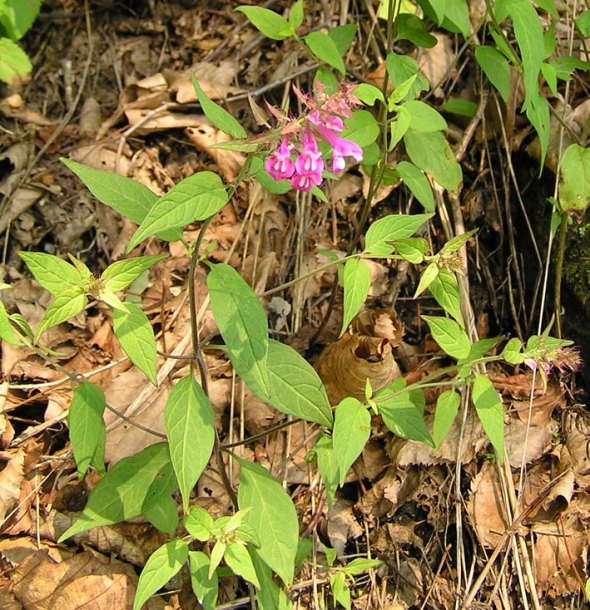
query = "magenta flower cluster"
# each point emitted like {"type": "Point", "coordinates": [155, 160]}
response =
{"type": "Point", "coordinates": [303, 164]}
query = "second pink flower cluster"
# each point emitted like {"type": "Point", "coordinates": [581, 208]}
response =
{"type": "Point", "coordinates": [304, 166]}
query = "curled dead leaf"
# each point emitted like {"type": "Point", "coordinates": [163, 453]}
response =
{"type": "Point", "coordinates": [11, 479]}
{"type": "Point", "coordinates": [345, 365]}
{"type": "Point", "coordinates": [383, 323]}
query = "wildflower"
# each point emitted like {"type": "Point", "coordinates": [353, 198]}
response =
{"type": "Point", "coordinates": [280, 165]}
{"type": "Point", "coordinates": [309, 165]}
{"type": "Point", "coordinates": [341, 147]}
{"type": "Point", "coordinates": [331, 121]}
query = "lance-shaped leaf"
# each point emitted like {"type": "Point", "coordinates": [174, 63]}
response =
{"type": "Point", "coordinates": [447, 405]}
{"type": "Point", "coordinates": [190, 428]}
{"type": "Point", "coordinates": [324, 48]}
{"type": "Point", "coordinates": [269, 23]}
{"type": "Point", "coordinates": [356, 280]}
{"type": "Point", "coordinates": [130, 198]}
{"type": "Point", "coordinates": [136, 336]}
{"type": "Point", "coordinates": [381, 234]}
{"type": "Point", "coordinates": [159, 508]}
{"type": "Point", "coordinates": [119, 275]}
{"type": "Point", "coordinates": [195, 198]}
{"type": "Point", "coordinates": [328, 466]}
{"type": "Point", "coordinates": [219, 116]}
{"type": "Point", "coordinates": [121, 493]}
{"type": "Point", "coordinates": [52, 273]}
{"type": "Point", "coordinates": [238, 559]}
{"type": "Point", "coordinates": [445, 289]}
{"type": "Point", "coordinates": [243, 326]}
{"type": "Point", "coordinates": [272, 516]}
{"type": "Point", "coordinates": [488, 405]}
{"type": "Point", "coordinates": [352, 428]}
{"type": "Point", "coordinates": [205, 588]}
{"type": "Point", "coordinates": [162, 565]}
{"type": "Point", "coordinates": [65, 306]}
{"type": "Point", "coordinates": [451, 338]}
{"type": "Point", "coordinates": [295, 387]}
{"type": "Point", "coordinates": [87, 429]}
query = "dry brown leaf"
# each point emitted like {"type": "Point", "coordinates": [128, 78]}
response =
{"type": "Point", "coordinates": [345, 365]}
{"type": "Point", "coordinates": [86, 580]}
{"type": "Point", "coordinates": [342, 524]}
{"type": "Point", "coordinates": [577, 432]}
{"type": "Point", "coordinates": [11, 479]}
{"type": "Point", "coordinates": [526, 446]}
{"type": "Point", "coordinates": [383, 323]}
{"type": "Point", "coordinates": [435, 63]}
{"type": "Point", "coordinates": [486, 507]}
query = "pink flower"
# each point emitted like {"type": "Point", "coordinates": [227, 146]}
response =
{"type": "Point", "coordinates": [331, 121]}
{"type": "Point", "coordinates": [280, 165]}
{"type": "Point", "coordinates": [341, 147]}
{"type": "Point", "coordinates": [309, 163]}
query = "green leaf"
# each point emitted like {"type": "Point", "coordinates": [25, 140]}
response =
{"type": "Point", "coordinates": [52, 273]}
{"type": "Point", "coordinates": [87, 429]}
{"type": "Point", "coordinates": [199, 523]}
{"type": "Point", "coordinates": [352, 428]}
{"type": "Point", "coordinates": [190, 428]}
{"type": "Point", "coordinates": [272, 516]}
{"type": "Point", "coordinates": [456, 243]}
{"type": "Point", "coordinates": [162, 565]}
{"type": "Point", "coordinates": [566, 64]}
{"type": "Point", "coordinates": [159, 508]}
{"type": "Point", "coordinates": [537, 113]}
{"type": "Point", "coordinates": [529, 36]}
{"type": "Point", "coordinates": [488, 405]}
{"type": "Point", "coordinates": [418, 184]}
{"type": "Point", "coordinates": [481, 347]}
{"type": "Point", "coordinates": [409, 27]}
{"type": "Point", "coordinates": [121, 492]}
{"type": "Point", "coordinates": [361, 127]}
{"type": "Point", "coordinates": [295, 387]}
{"type": "Point", "coordinates": [197, 197]}
{"type": "Point", "coordinates": [574, 184]}
{"type": "Point", "coordinates": [65, 306]}
{"type": "Point", "coordinates": [430, 274]}
{"type": "Point", "coordinates": [136, 336]}
{"type": "Point", "coordinates": [356, 279]}
{"type": "Point", "coordinates": [130, 198]}
{"type": "Point", "coordinates": [460, 107]}
{"type": "Point", "coordinates": [269, 23]}
{"type": "Point", "coordinates": [324, 49]}
{"type": "Point", "coordinates": [399, 126]}
{"type": "Point", "coordinates": [457, 17]}
{"type": "Point", "coordinates": [432, 153]}
{"type": "Point", "coordinates": [412, 249]}
{"type": "Point", "coordinates": [119, 275]}
{"type": "Point", "coordinates": [219, 116]}
{"type": "Point", "coordinates": [583, 23]}
{"type": "Point", "coordinates": [549, 7]}
{"type": "Point", "coordinates": [269, 596]}
{"type": "Point", "coordinates": [368, 94]}
{"type": "Point", "coordinates": [400, 68]}
{"type": "Point", "coordinates": [243, 326]}
{"type": "Point", "coordinates": [7, 331]}
{"type": "Point", "coordinates": [445, 289]}
{"type": "Point", "coordinates": [328, 466]}
{"type": "Point", "coordinates": [403, 413]}
{"type": "Point", "coordinates": [451, 338]}
{"type": "Point", "coordinates": [343, 35]}
{"type": "Point", "coordinates": [110, 298]}
{"type": "Point", "coordinates": [512, 351]}
{"type": "Point", "coordinates": [383, 232]}
{"type": "Point", "coordinates": [424, 117]}
{"type": "Point", "coordinates": [204, 588]}
{"type": "Point", "coordinates": [17, 17]}
{"type": "Point", "coordinates": [360, 565]}
{"type": "Point", "coordinates": [238, 559]}
{"type": "Point", "coordinates": [447, 406]}
{"type": "Point", "coordinates": [296, 14]}
{"type": "Point", "coordinates": [14, 62]}
{"type": "Point", "coordinates": [340, 589]}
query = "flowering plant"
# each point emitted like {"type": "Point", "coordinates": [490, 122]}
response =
{"type": "Point", "coordinates": [323, 121]}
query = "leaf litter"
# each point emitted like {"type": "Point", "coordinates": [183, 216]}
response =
{"type": "Point", "coordinates": [140, 119]}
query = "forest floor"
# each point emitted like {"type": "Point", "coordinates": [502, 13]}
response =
{"type": "Point", "coordinates": [111, 88]}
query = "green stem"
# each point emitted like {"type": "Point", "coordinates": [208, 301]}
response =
{"type": "Point", "coordinates": [559, 272]}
